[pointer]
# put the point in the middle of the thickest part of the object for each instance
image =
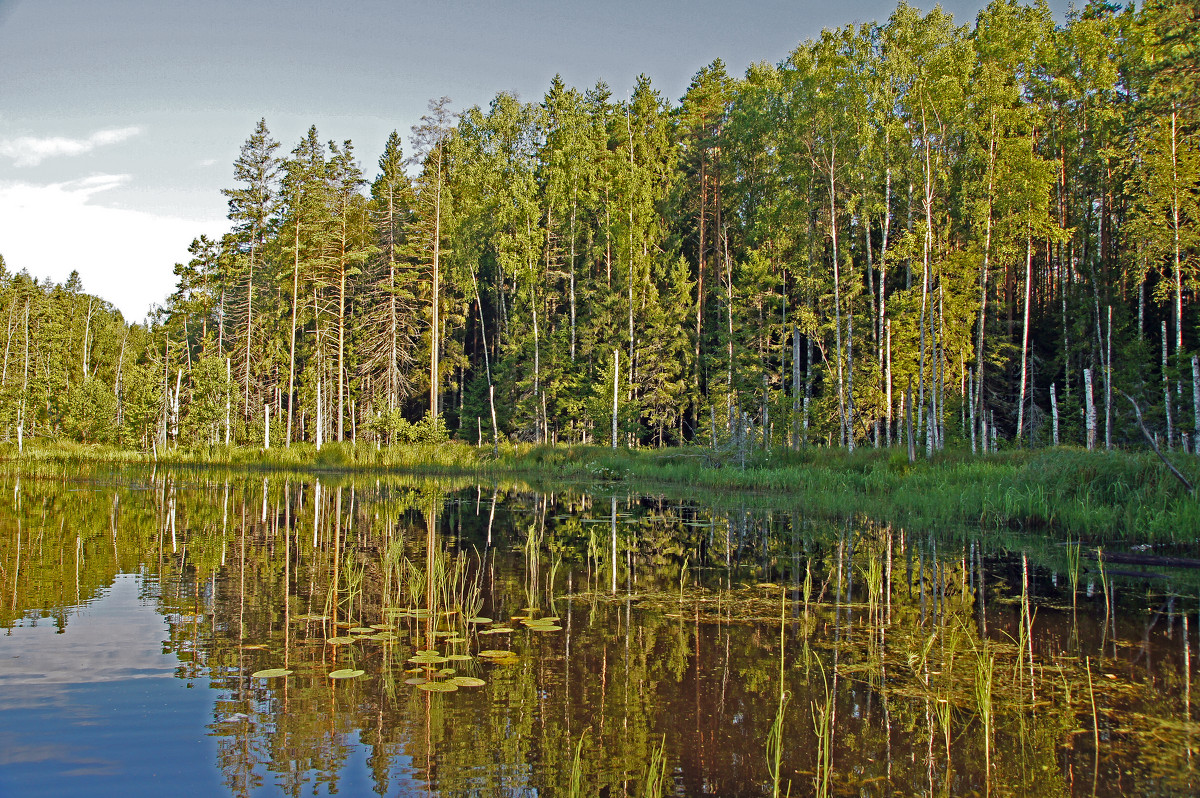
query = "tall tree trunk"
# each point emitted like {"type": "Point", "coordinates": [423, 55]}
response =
{"type": "Point", "coordinates": [698, 349]}
{"type": "Point", "coordinates": [435, 332]}
{"type": "Point", "coordinates": [889, 382]}
{"type": "Point", "coordinates": [1025, 332]}
{"type": "Point", "coordinates": [249, 319]}
{"type": "Point", "coordinates": [1108, 414]}
{"type": "Point", "coordinates": [1054, 411]}
{"type": "Point", "coordinates": [847, 433]}
{"type": "Point", "coordinates": [292, 345]}
{"type": "Point", "coordinates": [393, 369]}
{"type": "Point", "coordinates": [572, 274]}
{"type": "Point", "coordinates": [1167, 390]}
{"type": "Point", "coordinates": [1178, 274]}
{"type": "Point", "coordinates": [796, 397]}
{"type": "Point", "coordinates": [983, 276]}
{"type": "Point", "coordinates": [1090, 409]}
{"type": "Point", "coordinates": [616, 383]}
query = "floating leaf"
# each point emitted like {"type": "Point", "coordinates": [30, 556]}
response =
{"type": "Point", "coordinates": [545, 627]}
{"type": "Point", "coordinates": [271, 673]}
{"type": "Point", "coordinates": [497, 630]}
{"type": "Point", "coordinates": [438, 687]}
{"type": "Point", "coordinates": [456, 639]}
{"type": "Point", "coordinates": [479, 619]}
{"type": "Point", "coordinates": [384, 627]}
{"type": "Point", "coordinates": [428, 659]}
{"type": "Point", "coordinates": [446, 672]}
{"type": "Point", "coordinates": [361, 630]}
{"type": "Point", "coordinates": [467, 681]}
{"type": "Point", "coordinates": [346, 673]}
{"type": "Point", "coordinates": [460, 658]}
{"type": "Point", "coordinates": [415, 680]}
{"type": "Point", "coordinates": [342, 640]}
{"type": "Point", "coordinates": [496, 652]}
{"type": "Point", "coordinates": [310, 617]}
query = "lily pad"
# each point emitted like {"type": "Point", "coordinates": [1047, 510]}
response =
{"type": "Point", "coordinates": [438, 687]}
{"type": "Point", "coordinates": [456, 639]}
{"type": "Point", "coordinates": [361, 630]}
{"type": "Point", "coordinates": [428, 659]}
{"type": "Point", "coordinates": [497, 630]}
{"type": "Point", "coordinates": [460, 657]}
{"type": "Point", "coordinates": [346, 673]}
{"type": "Point", "coordinates": [384, 627]}
{"type": "Point", "coordinates": [545, 627]}
{"type": "Point", "coordinates": [341, 640]}
{"type": "Point", "coordinates": [493, 653]}
{"type": "Point", "coordinates": [415, 680]}
{"type": "Point", "coordinates": [270, 673]}
{"type": "Point", "coordinates": [310, 617]}
{"type": "Point", "coordinates": [446, 672]}
{"type": "Point", "coordinates": [467, 681]}
{"type": "Point", "coordinates": [479, 619]}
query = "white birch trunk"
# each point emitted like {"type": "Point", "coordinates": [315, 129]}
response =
{"type": "Point", "coordinates": [616, 387]}
{"type": "Point", "coordinates": [1090, 409]}
{"type": "Point", "coordinates": [1054, 411]}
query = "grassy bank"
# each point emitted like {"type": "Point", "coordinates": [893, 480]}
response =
{"type": "Point", "coordinates": [1065, 492]}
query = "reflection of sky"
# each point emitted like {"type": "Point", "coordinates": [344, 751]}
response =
{"type": "Point", "coordinates": [93, 711]}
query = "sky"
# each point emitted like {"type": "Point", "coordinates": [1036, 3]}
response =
{"type": "Point", "coordinates": [120, 120]}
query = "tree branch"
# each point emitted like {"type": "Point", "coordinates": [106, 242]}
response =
{"type": "Point", "coordinates": [1149, 438]}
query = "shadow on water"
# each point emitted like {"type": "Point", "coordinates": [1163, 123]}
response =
{"type": "Point", "coordinates": [431, 637]}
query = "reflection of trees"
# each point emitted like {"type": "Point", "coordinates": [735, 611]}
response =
{"type": "Point", "coordinates": [687, 645]}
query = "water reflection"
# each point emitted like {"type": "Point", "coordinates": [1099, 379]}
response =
{"type": "Point", "coordinates": [756, 649]}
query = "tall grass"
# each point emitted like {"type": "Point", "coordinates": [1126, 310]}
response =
{"type": "Point", "coordinates": [1065, 491]}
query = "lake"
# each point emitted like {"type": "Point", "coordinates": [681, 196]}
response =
{"type": "Point", "coordinates": [210, 632]}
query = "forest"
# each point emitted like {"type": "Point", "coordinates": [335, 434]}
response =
{"type": "Point", "coordinates": [975, 236]}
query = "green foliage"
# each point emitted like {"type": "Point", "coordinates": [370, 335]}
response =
{"type": "Point", "coordinates": [91, 412]}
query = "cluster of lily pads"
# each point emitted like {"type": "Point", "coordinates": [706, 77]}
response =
{"type": "Point", "coordinates": [425, 673]}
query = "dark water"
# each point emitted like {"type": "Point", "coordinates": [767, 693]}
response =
{"type": "Point", "coordinates": [137, 605]}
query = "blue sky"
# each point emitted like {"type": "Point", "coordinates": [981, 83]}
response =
{"type": "Point", "coordinates": [120, 119]}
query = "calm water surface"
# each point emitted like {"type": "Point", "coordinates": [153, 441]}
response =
{"type": "Point", "coordinates": [446, 638]}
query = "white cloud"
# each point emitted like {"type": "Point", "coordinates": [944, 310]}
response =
{"type": "Point", "coordinates": [124, 256]}
{"type": "Point", "coordinates": [31, 151]}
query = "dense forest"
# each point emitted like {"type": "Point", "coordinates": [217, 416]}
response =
{"type": "Point", "coordinates": [908, 232]}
